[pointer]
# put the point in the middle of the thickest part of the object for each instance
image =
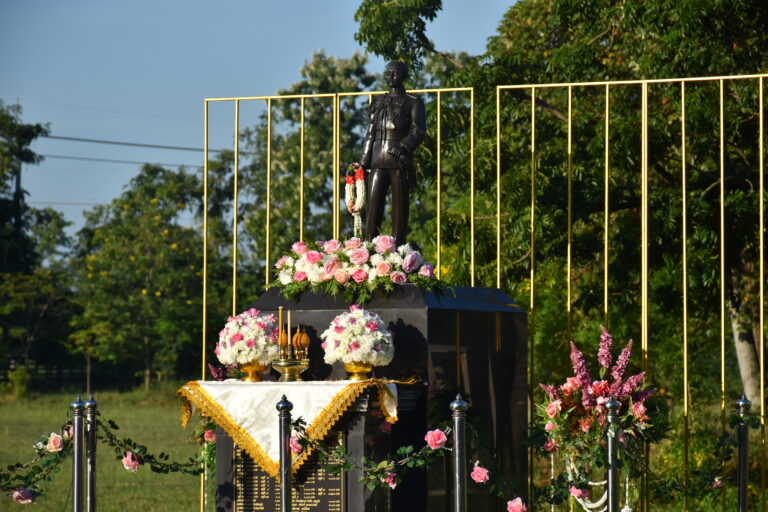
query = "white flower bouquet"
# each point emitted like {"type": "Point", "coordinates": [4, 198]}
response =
{"type": "Point", "coordinates": [358, 336]}
{"type": "Point", "coordinates": [249, 336]}
{"type": "Point", "coordinates": [354, 268]}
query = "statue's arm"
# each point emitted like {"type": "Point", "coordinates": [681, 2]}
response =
{"type": "Point", "coordinates": [365, 158]}
{"type": "Point", "coordinates": [418, 127]}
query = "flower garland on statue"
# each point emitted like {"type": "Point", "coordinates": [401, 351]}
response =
{"type": "Point", "coordinates": [249, 336]}
{"type": "Point", "coordinates": [358, 336]}
{"type": "Point", "coordinates": [354, 268]}
{"type": "Point", "coordinates": [354, 194]}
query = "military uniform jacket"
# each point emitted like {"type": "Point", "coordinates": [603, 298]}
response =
{"type": "Point", "coordinates": [395, 120]}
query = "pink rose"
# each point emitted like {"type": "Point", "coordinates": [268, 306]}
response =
{"type": "Point", "coordinates": [296, 447]}
{"type": "Point", "coordinates": [383, 268]}
{"type": "Point", "coordinates": [331, 265]}
{"type": "Point", "coordinates": [313, 256]}
{"type": "Point", "coordinates": [55, 443]}
{"type": "Point", "coordinates": [427, 270]}
{"type": "Point", "coordinates": [585, 424]}
{"type": "Point", "coordinates": [359, 275]}
{"type": "Point", "coordinates": [549, 427]}
{"type": "Point", "coordinates": [354, 345]}
{"type": "Point", "coordinates": [253, 312]}
{"type": "Point", "coordinates": [299, 276]}
{"type": "Point", "coordinates": [131, 462]}
{"type": "Point", "coordinates": [435, 439]}
{"type": "Point", "coordinates": [331, 246]}
{"type": "Point", "coordinates": [281, 262]}
{"type": "Point", "coordinates": [578, 493]}
{"type": "Point", "coordinates": [68, 432]}
{"type": "Point", "coordinates": [398, 277]}
{"type": "Point", "coordinates": [353, 243]}
{"type": "Point", "coordinates": [384, 244]}
{"type": "Point", "coordinates": [299, 248]}
{"type": "Point", "coordinates": [412, 261]}
{"type": "Point", "coordinates": [550, 445]}
{"type": "Point", "coordinates": [359, 256]}
{"type": "Point", "coordinates": [571, 384]}
{"type": "Point", "coordinates": [553, 408]}
{"type": "Point", "coordinates": [341, 276]}
{"type": "Point", "coordinates": [24, 496]}
{"type": "Point", "coordinates": [372, 326]}
{"type": "Point", "coordinates": [639, 410]}
{"type": "Point", "coordinates": [479, 474]}
{"type": "Point", "coordinates": [390, 480]}
{"type": "Point", "coordinates": [354, 307]}
{"type": "Point", "coordinates": [236, 337]}
{"type": "Point", "coordinates": [209, 436]}
{"type": "Point", "coordinates": [516, 505]}
{"type": "Point", "coordinates": [601, 388]}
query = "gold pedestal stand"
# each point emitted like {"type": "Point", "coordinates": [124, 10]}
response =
{"type": "Point", "coordinates": [294, 357]}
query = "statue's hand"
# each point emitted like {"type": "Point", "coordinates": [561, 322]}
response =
{"type": "Point", "coordinates": [396, 151]}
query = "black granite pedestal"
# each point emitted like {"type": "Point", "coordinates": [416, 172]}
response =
{"type": "Point", "coordinates": [471, 341]}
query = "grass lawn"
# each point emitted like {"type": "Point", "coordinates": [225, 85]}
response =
{"type": "Point", "coordinates": [150, 418]}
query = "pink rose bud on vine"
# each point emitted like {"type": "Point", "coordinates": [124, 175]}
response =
{"type": "Point", "coordinates": [67, 432]}
{"type": "Point", "coordinates": [131, 462]}
{"type": "Point", "coordinates": [516, 505]}
{"type": "Point", "coordinates": [55, 443]}
{"type": "Point", "coordinates": [479, 474]}
{"type": "Point", "coordinates": [550, 445]}
{"type": "Point", "coordinates": [578, 493]}
{"type": "Point", "coordinates": [24, 496]}
{"type": "Point", "coordinates": [549, 427]}
{"type": "Point", "coordinates": [296, 447]}
{"type": "Point", "coordinates": [209, 436]}
{"type": "Point", "coordinates": [390, 480]}
{"type": "Point", "coordinates": [435, 439]}
{"type": "Point", "coordinates": [553, 408]}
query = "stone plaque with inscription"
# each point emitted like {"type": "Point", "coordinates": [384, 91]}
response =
{"type": "Point", "coordinates": [314, 489]}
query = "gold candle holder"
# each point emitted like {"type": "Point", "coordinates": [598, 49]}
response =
{"type": "Point", "coordinates": [294, 356]}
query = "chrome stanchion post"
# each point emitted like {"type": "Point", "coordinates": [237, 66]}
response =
{"type": "Point", "coordinates": [613, 470]}
{"type": "Point", "coordinates": [459, 411]}
{"type": "Point", "coordinates": [77, 471]}
{"type": "Point", "coordinates": [284, 408]}
{"type": "Point", "coordinates": [742, 432]}
{"type": "Point", "coordinates": [90, 454]}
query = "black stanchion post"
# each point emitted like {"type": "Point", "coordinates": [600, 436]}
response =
{"type": "Point", "coordinates": [459, 410]}
{"type": "Point", "coordinates": [77, 438]}
{"type": "Point", "coordinates": [742, 432]}
{"type": "Point", "coordinates": [613, 470]}
{"type": "Point", "coordinates": [284, 408]}
{"type": "Point", "coordinates": [90, 454]}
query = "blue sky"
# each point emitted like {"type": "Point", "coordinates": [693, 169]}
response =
{"type": "Point", "coordinates": [138, 72]}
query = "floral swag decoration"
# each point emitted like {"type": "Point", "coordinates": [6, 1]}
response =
{"type": "Point", "coordinates": [354, 194]}
{"type": "Point", "coordinates": [353, 268]}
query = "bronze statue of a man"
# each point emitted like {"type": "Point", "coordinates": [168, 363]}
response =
{"type": "Point", "coordinates": [397, 126]}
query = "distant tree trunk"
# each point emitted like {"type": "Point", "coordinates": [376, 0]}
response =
{"type": "Point", "coordinates": [746, 355]}
{"type": "Point", "coordinates": [147, 363]}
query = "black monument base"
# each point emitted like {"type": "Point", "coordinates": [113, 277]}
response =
{"type": "Point", "coordinates": [471, 341]}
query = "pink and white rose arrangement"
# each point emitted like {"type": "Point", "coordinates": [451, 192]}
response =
{"type": "Point", "coordinates": [358, 336]}
{"type": "Point", "coordinates": [249, 336]}
{"type": "Point", "coordinates": [354, 264]}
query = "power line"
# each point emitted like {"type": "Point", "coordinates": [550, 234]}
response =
{"type": "Point", "coordinates": [135, 144]}
{"type": "Point", "coordinates": [111, 161]}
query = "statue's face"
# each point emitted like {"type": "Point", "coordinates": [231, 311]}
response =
{"type": "Point", "coordinates": [394, 75]}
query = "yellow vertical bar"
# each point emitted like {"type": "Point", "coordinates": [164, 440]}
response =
{"type": "Point", "coordinates": [267, 255]}
{"type": "Point", "coordinates": [606, 210]}
{"type": "Point", "coordinates": [301, 173]}
{"type": "Point", "coordinates": [722, 258]}
{"type": "Point", "coordinates": [532, 296]}
{"type": "Point", "coordinates": [236, 166]}
{"type": "Point", "coordinates": [439, 191]}
{"type": "Point", "coordinates": [570, 213]}
{"type": "Point", "coordinates": [335, 173]}
{"type": "Point", "coordinates": [686, 431]}
{"type": "Point", "coordinates": [498, 188]}
{"type": "Point", "coordinates": [205, 232]}
{"type": "Point", "coordinates": [761, 338]}
{"type": "Point", "coordinates": [472, 186]}
{"type": "Point", "coordinates": [644, 264]}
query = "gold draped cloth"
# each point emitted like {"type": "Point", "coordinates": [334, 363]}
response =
{"type": "Point", "coordinates": [246, 411]}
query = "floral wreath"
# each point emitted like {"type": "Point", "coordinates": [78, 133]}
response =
{"type": "Point", "coordinates": [354, 194]}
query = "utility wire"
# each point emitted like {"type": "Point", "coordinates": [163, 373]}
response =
{"type": "Point", "coordinates": [107, 160]}
{"type": "Point", "coordinates": [135, 144]}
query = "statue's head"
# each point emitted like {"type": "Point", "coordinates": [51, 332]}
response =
{"type": "Point", "coordinates": [395, 74]}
